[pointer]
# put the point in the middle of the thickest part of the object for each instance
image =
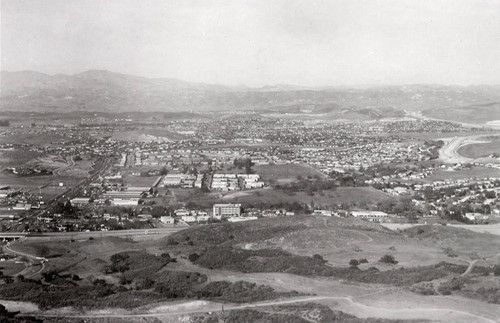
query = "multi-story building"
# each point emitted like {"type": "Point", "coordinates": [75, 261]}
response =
{"type": "Point", "coordinates": [227, 210]}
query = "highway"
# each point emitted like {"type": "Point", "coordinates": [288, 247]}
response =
{"type": "Point", "coordinates": [449, 152]}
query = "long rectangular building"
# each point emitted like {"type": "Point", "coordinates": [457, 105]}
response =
{"type": "Point", "coordinates": [227, 210]}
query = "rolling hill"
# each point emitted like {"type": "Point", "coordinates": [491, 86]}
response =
{"type": "Point", "coordinates": [112, 92]}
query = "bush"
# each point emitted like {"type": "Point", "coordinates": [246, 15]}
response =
{"type": "Point", "coordinates": [450, 253]}
{"type": "Point", "coordinates": [319, 258]}
{"type": "Point", "coordinates": [193, 257]}
{"type": "Point", "coordinates": [447, 288]}
{"type": "Point", "coordinates": [353, 263]}
{"type": "Point", "coordinates": [496, 270]}
{"type": "Point", "coordinates": [388, 259]}
{"type": "Point", "coordinates": [171, 242]}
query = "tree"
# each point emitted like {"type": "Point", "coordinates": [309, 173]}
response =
{"type": "Point", "coordinates": [354, 263]}
{"type": "Point", "coordinates": [193, 257]}
{"type": "Point", "coordinates": [164, 170]}
{"type": "Point", "coordinates": [388, 259]}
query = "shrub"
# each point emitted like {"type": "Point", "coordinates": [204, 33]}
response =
{"type": "Point", "coordinates": [388, 259]}
{"type": "Point", "coordinates": [319, 258]}
{"type": "Point", "coordinates": [496, 270]}
{"type": "Point", "coordinates": [171, 242]}
{"type": "Point", "coordinates": [193, 257]}
{"type": "Point", "coordinates": [353, 263]}
{"type": "Point", "coordinates": [447, 288]}
{"type": "Point", "coordinates": [449, 252]}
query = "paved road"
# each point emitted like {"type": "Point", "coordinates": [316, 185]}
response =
{"type": "Point", "coordinates": [449, 152]}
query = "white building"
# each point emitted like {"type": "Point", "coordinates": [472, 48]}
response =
{"type": "Point", "coordinates": [226, 210]}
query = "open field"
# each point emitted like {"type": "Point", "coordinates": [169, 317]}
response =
{"type": "Point", "coordinates": [339, 240]}
{"type": "Point", "coordinates": [146, 135]}
{"type": "Point", "coordinates": [140, 180]}
{"type": "Point", "coordinates": [284, 173]}
{"type": "Point", "coordinates": [349, 195]}
{"type": "Point", "coordinates": [479, 228]}
{"type": "Point", "coordinates": [10, 268]}
{"type": "Point", "coordinates": [476, 172]}
{"type": "Point", "coordinates": [32, 137]}
{"type": "Point", "coordinates": [14, 157]}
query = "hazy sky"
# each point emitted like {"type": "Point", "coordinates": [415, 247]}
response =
{"type": "Point", "coordinates": [335, 42]}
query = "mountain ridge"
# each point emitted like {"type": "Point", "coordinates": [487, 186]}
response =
{"type": "Point", "coordinates": [101, 90]}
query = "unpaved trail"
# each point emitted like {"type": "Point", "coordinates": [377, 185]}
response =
{"type": "Point", "coordinates": [475, 261]}
{"type": "Point", "coordinates": [29, 267]}
{"type": "Point", "coordinates": [441, 314]}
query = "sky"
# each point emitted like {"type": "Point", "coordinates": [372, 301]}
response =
{"type": "Point", "coordinates": [259, 42]}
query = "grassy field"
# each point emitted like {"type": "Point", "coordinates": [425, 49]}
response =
{"type": "Point", "coordinates": [270, 196]}
{"type": "Point", "coordinates": [16, 157]}
{"type": "Point", "coordinates": [9, 268]}
{"type": "Point", "coordinates": [349, 195]}
{"type": "Point", "coordinates": [32, 137]}
{"type": "Point", "coordinates": [140, 180]}
{"type": "Point", "coordinates": [339, 240]}
{"type": "Point", "coordinates": [284, 173]}
{"type": "Point", "coordinates": [480, 172]}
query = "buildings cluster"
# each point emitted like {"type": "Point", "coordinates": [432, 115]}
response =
{"type": "Point", "coordinates": [233, 182]}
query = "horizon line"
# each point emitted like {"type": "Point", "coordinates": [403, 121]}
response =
{"type": "Point", "coordinates": [301, 87]}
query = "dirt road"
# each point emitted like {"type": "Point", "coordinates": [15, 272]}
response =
{"type": "Point", "coordinates": [32, 264]}
{"type": "Point", "coordinates": [196, 307]}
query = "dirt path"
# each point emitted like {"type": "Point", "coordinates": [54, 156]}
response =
{"type": "Point", "coordinates": [196, 307]}
{"type": "Point", "coordinates": [475, 261]}
{"type": "Point", "coordinates": [29, 265]}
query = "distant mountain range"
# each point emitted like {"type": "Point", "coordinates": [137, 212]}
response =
{"type": "Point", "coordinates": [112, 92]}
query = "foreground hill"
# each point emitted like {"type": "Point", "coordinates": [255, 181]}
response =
{"type": "Point", "coordinates": [105, 91]}
{"type": "Point", "coordinates": [270, 270]}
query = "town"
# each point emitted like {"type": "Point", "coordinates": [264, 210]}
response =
{"type": "Point", "coordinates": [101, 174]}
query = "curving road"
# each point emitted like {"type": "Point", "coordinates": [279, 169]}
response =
{"type": "Point", "coordinates": [449, 152]}
{"type": "Point", "coordinates": [29, 270]}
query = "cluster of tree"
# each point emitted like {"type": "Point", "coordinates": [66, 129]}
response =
{"type": "Point", "coordinates": [245, 163]}
{"type": "Point", "coordinates": [403, 206]}
{"type": "Point", "coordinates": [4, 123]}
{"type": "Point", "coordinates": [388, 259]}
{"type": "Point", "coordinates": [354, 263]}
{"type": "Point", "coordinates": [434, 147]}
{"type": "Point", "coordinates": [65, 208]}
